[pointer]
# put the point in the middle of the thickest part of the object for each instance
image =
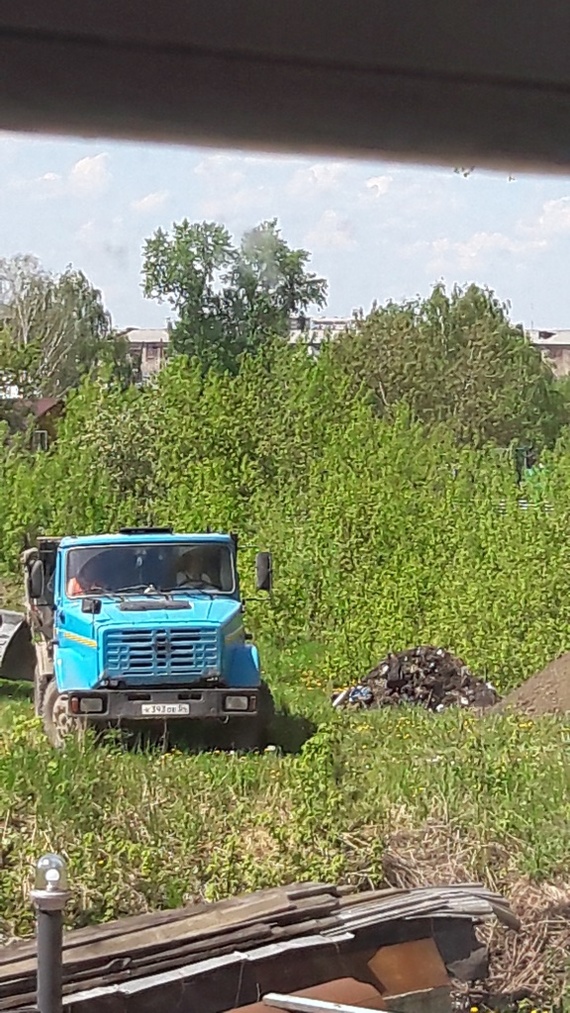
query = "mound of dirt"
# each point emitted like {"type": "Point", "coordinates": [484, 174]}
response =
{"type": "Point", "coordinates": [546, 692]}
{"type": "Point", "coordinates": [428, 677]}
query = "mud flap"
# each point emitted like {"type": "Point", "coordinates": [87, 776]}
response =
{"type": "Point", "coordinates": [17, 652]}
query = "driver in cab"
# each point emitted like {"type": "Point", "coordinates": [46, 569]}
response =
{"type": "Point", "coordinates": [93, 576]}
{"type": "Point", "coordinates": [196, 566]}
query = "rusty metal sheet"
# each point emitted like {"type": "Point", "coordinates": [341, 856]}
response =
{"type": "Point", "coordinates": [346, 991]}
{"type": "Point", "coordinates": [409, 967]}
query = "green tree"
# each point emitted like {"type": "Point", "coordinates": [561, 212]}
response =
{"type": "Point", "coordinates": [55, 330]}
{"type": "Point", "coordinates": [229, 300]}
{"type": "Point", "coordinates": [456, 359]}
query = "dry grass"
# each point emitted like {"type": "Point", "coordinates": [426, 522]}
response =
{"type": "Point", "coordinates": [538, 957]}
{"type": "Point", "coordinates": [535, 959]}
{"type": "Point", "coordinates": [401, 798]}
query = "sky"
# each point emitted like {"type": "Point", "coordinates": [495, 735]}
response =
{"type": "Point", "coordinates": [376, 230]}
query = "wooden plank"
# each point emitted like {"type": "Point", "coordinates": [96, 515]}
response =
{"type": "Point", "coordinates": [122, 968]}
{"type": "Point", "coordinates": [283, 896]}
{"type": "Point", "coordinates": [209, 923]}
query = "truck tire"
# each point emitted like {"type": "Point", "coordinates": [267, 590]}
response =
{"type": "Point", "coordinates": [58, 724]}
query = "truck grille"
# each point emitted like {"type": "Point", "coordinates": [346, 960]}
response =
{"type": "Point", "coordinates": [159, 654]}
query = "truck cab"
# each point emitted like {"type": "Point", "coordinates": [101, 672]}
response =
{"type": "Point", "coordinates": [144, 627]}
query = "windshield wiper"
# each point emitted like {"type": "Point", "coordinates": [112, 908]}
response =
{"type": "Point", "coordinates": [194, 585]}
{"type": "Point", "coordinates": [145, 588]}
{"type": "Point", "coordinates": [95, 592]}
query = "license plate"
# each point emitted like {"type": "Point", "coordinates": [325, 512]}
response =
{"type": "Point", "coordinates": [164, 710]}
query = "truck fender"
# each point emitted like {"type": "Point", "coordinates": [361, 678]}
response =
{"type": "Point", "coordinates": [244, 666]}
{"type": "Point", "coordinates": [17, 650]}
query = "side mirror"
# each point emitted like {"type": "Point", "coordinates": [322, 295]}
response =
{"type": "Point", "coordinates": [264, 571]}
{"type": "Point", "coordinates": [92, 606]}
{"type": "Point", "coordinates": [36, 579]}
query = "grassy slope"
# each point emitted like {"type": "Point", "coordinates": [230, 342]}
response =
{"type": "Point", "coordinates": [150, 829]}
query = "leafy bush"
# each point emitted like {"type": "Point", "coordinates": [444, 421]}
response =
{"type": "Point", "coordinates": [384, 534]}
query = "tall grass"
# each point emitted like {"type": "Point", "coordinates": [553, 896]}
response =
{"type": "Point", "coordinates": [152, 829]}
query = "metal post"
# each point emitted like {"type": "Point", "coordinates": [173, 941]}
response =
{"type": "Point", "coordinates": [49, 943]}
{"type": "Point", "coordinates": [50, 895]}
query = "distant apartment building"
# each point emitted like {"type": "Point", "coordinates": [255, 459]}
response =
{"type": "Point", "coordinates": [313, 331]}
{"type": "Point", "coordinates": [148, 346]}
{"type": "Point", "coordinates": [554, 347]}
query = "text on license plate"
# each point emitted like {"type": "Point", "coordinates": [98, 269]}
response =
{"type": "Point", "coordinates": [164, 710]}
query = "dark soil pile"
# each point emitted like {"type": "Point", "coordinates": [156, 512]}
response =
{"type": "Point", "coordinates": [546, 692]}
{"type": "Point", "coordinates": [428, 677]}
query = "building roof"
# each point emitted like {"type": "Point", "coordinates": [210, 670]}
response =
{"type": "Point", "coordinates": [44, 405]}
{"type": "Point", "coordinates": [549, 339]}
{"type": "Point", "coordinates": [39, 407]}
{"type": "Point", "coordinates": [148, 335]}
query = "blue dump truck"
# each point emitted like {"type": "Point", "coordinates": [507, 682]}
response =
{"type": "Point", "coordinates": [142, 628]}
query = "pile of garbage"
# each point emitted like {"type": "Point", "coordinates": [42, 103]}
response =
{"type": "Point", "coordinates": [428, 677]}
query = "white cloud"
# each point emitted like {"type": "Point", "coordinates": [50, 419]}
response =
{"type": "Point", "coordinates": [473, 251]}
{"type": "Point", "coordinates": [218, 169]}
{"type": "Point", "coordinates": [224, 193]}
{"type": "Point", "coordinates": [331, 232]}
{"type": "Point", "coordinates": [322, 177]}
{"type": "Point", "coordinates": [379, 185]}
{"type": "Point", "coordinates": [50, 184]}
{"type": "Point", "coordinates": [535, 235]}
{"type": "Point", "coordinates": [90, 176]}
{"type": "Point", "coordinates": [229, 205]}
{"type": "Point", "coordinates": [553, 220]}
{"type": "Point", "coordinates": [87, 234]}
{"type": "Point", "coordinates": [150, 201]}
{"type": "Point", "coordinates": [271, 160]}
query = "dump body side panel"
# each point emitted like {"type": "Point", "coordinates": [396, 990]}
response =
{"type": "Point", "coordinates": [17, 651]}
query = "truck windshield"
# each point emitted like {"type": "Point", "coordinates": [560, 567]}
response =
{"type": "Point", "coordinates": [184, 566]}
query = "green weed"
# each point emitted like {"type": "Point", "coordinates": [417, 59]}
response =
{"type": "Point", "coordinates": [146, 829]}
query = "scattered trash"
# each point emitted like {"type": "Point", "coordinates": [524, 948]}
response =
{"type": "Point", "coordinates": [428, 677]}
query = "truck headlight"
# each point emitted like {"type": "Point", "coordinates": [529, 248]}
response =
{"type": "Point", "coordinates": [236, 703]}
{"type": "Point", "coordinates": [87, 705]}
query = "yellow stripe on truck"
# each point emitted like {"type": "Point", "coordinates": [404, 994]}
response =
{"type": "Point", "coordinates": [77, 638]}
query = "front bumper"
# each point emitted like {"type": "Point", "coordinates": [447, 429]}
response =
{"type": "Point", "coordinates": [163, 704]}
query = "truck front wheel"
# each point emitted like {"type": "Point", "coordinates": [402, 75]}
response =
{"type": "Point", "coordinates": [59, 724]}
{"type": "Point", "coordinates": [250, 734]}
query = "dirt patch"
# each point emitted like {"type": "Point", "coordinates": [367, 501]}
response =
{"type": "Point", "coordinates": [546, 692]}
